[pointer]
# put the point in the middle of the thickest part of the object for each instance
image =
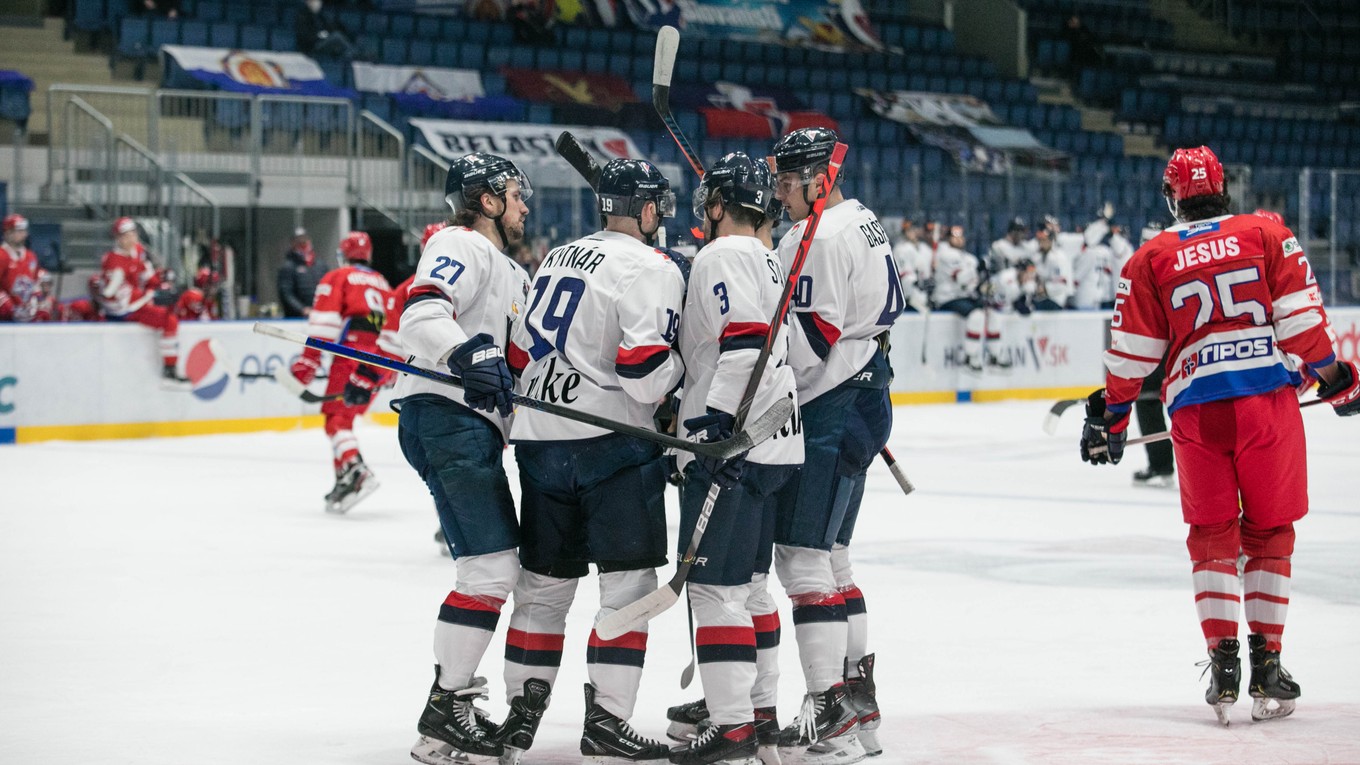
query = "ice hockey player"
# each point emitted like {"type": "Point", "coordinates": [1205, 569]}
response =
{"type": "Point", "coordinates": [914, 259]}
{"type": "Point", "coordinates": [1053, 274]}
{"type": "Point", "coordinates": [350, 307]}
{"type": "Point", "coordinates": [847, 299]}
{"type": "Point", "coordinates": [1010, 250]}
{"type": "Point", "coordinates": [23, 297]}
{"type": "Point", "coordinates": [1085, 280]}
{"type": "Point", "coordinates": [603, 315]}
{"type": "Point", "coordinates": [1224, 297]}
{"type": "Point", "coordinates": [464, 301]}
{"type": "Point", "coordinates": [735, 286]}
{"type": "Point", "coordinates": [956, 275]}
{"type": "Point", "coordinates": [128, 276]}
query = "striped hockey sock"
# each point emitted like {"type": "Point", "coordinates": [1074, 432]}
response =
{"type": "Point", "coordinates": [1266, 583]}
{"type": "Point", "coordinates": [533, 644]}
{"type": "Point", "coordinates": [1217, 599]}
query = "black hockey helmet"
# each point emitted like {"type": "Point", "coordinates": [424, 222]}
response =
{"type": "Point", "coordinates": [804, 148]}
{"type": "Point", "coordinates": [626, 185]}
{"type": "Point", "coordinates": [1016, 224]}
{"type": "Point", "coordinates": [740, 181]}
{"type": "Point", "coordinates": [478, 171]}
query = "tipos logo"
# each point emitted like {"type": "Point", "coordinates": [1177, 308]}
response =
{"type": "Point", "coordinates": [207, 370]}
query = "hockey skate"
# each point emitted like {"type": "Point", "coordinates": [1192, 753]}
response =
{"type": "Point", "coordinates": [607, 739]}
{"type": "Point", "coordinates": [864, 697]}
{"type": "Point", "coordinates": [1225, 677]}
{"type": "Point", "coordinates": [171, 379]}
{"type": "Point", "coordinates": [824, 731]}
{"type": "Point", "coordinates": [1269, 682]}
{"type": "Point", "coordinates": [351, 486]}
{"type": "Point", "coordinates": [720, 745]}
{"type": "Point", "coordinates": [687, 722]}
{"type": "Point", "coordinates": [1155, 479]}
{"type": "Point", "coordinates": [452, 730]}
{"type": "Point", "coordinates": [526, 711]}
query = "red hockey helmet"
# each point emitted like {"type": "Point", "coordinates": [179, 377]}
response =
{"type": "Point", "coordinates": [14, 222]}
{"type": "Point", "coordinates": [1192, 173]}
{"type": "Point", "coordinates": [430, 231]}
{"type": "Point", "coordinates": [1270, 215]}
{"type": "Point", "coordinates": [122, 226]}
{"type": "Point", "coordinates": [356, 246]}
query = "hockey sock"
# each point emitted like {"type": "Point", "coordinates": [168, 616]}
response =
{"type": "Point", "coordinates": [765, 618]}
{"type": "Point", "coordinates": [1216, 599]}
{"type": "Point", "coordinates": [170, 339]}
{"type": "Point", "coordinates": [725, 642]}
{"type": "Point", "coordinates": [615, 666]}
{"type": "Point", "coordinates": [533, 644]}
{"type": "Point", "coordinates": [856, 617]}
{"type": "Point", "coordinates": [468, 617]}
{"type": "Point", "coordinates": [819, 623]}
{"type": "Point", "coordinates": [344, 446]}
{"type": "Point", "coordinates": [1266, 584]}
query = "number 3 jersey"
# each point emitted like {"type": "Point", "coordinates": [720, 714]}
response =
{"type": "Point", "coordinates": [1224, 300]}
{"type": "Point", "coordinates": [847, 294]}
{"type": "Point", "coordinates": [603, 313]}
{"type": "Point", "coordinates": [734, 287]}
{"type": "Point", "coordinates": [463, 286]}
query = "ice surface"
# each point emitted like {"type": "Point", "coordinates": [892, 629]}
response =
{"type": "Point", "coordinates": [186, 601]}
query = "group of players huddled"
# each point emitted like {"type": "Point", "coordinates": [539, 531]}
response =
{"type": "Point", "coordinates": [614, 326]}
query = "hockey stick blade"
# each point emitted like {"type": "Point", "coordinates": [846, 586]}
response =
{"type": "Point", "coordinates": [642, 610]}
{"type": "Point", "coordinates": [1055, 413]}
{"type": "Point", "coordinates": [288, 382]}
{"type": "Point", "coordinates": [570, 149]}
{"type": "Point", "coordinates": [667, 45]}
{"type": "Point", "coordinates": [769, 422]}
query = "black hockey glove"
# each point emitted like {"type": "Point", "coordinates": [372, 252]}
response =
{"type": "Point", "coordinates": [361, 385]}
{"type": "Point", "coordinates": [716, 426]}
{"type": "Point", "coordinates": [1343, 393]}
{"type": "Point", "coordinates": [1104, 434]}
{"type": "Point", "coordinates": [487, 384]}
{"type": "Point", "coordinates": [681, 262]}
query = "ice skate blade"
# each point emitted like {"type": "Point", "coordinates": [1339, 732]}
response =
{"type": "Point", "coordinates": [841, 750]}
{"type": "Point", "coordinates": [1261, 709]}
{"type": "Point", "coordinates": [350, 500]}
{"type": "Point", "coordinates": [432, 751]}
{"type": "Point", "coordinates": [682, 732]}
{"type": "Point", "coordinates": [1156, 482]}
{"type": "Point", "coordinates": [1221, 711]}
{"type": "Point", "coordinates": [512, 756]}
{"type": "Point", "coordinates": [609, 759]}
{"type": "Point", "coordinates": [179, 385]}
{"type": "Point", "coordinates": [768, 754]}
{"type": "Point", "coordinates": [868, 738]}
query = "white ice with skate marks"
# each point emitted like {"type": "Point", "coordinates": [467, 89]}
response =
{"type": "Point", "coordinates": [187, 598]}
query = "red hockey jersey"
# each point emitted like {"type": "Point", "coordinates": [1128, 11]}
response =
{"type": "Point", "coordinates": [129, 281]}
{"type": "Point", "coordinates": [1223, 300]}
{"type": "Point", "coordinates": [396, 303]}
{"type": "Point", "coordinates": [350, 307]}
{"type": "Point", "coordinates": [19, 271]}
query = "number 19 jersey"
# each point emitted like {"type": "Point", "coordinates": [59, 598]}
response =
{"type": "Point", "coordinates": [603, 313]}
{"type": "Point", "coordinates": [1224, 300]}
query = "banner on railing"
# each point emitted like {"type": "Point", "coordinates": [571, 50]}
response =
{"type": "Point", "coordinates": [736, 111]}
{"type": "Point", "coordinates": [436, 92]}
{"type": "Point", "coordinates": [606, 91]}
{"type": "Point", "coordinates": [255, 71]}
{"type": "Point", "coordinates": [835, 24]}
{"type": "Point", "coordinates": [967, 128]}
{"type": "Point", "coordinates": [528, 146]}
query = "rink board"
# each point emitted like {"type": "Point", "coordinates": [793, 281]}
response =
{"type": "Point", "coordinates": [95, 381]}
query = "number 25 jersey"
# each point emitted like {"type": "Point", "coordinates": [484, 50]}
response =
{"type": "Point", "coordinates": [1224, 300]}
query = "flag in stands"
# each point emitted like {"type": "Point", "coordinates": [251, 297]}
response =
{"type": "Point", "coordinates": [254, 71]}
{"type": "Point", "coordinates": [737, 111]}
{"type": "Point", "coordinates": [436, 92]}
{"type": "Point", "coordinates": [606, 91]}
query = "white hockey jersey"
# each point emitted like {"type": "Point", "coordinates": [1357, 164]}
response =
{"type": "Point", "coordinates": [915, 262]}
{"type": "Point", "coordinates": [956, 274]}
{"type": "Point", "coordinates": [603, 313]}
{"type": "Point", "coordinates": [463, 286]}
{"type": "Point", "coordinates": [847, 294]}
{"type": "Point", "coordinates": [1004, 254]}
{"type": "Point", "coordinates": [1054, 272]}
{"type": "Point", "coordinates": [734, 288]}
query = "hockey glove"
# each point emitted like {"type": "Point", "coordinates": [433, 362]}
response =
{"type": "Point", "coordinates": [1343, 393]}
{"type": "Point", "coordinates": [486, 378]}
{"type": "Point", "coordinates": [305, 369]}
{"type": "Point", "coordinates": [1104, 434]}
{"type": "Point", "coordinates": [361, 386]}
{"type": "Point", "coordinates": [681, 262]}
{"type": "Point", "coordinates": [716, 426]}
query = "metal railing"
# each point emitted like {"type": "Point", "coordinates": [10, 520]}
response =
{"type": "Point", "coordinates": [85, 127]}
{"type": "Point", "coordinates": [380, 172]}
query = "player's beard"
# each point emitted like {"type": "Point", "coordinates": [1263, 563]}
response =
{"type": "Point", "coordinates": [514, 232]}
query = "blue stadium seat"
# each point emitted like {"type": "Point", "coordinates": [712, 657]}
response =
{"type": "Point", "coordinates": [133, 34]}
{"type": "Point", "coordinates": [210, 10]}
{"type": "Point", "coordinates": [597, 60]}
{"type": "Point", "coordinates": [493, 83]}
{"type": "Point", "coordinates": [393, 51]}
{"type": "Point", "coordinates": [194, 33]}
{"type": "Point", "coordinates": [421, 52]}
{"type": "Point", "coordinates": [280, 38]}
{"type": "Point", "coordinates": [403, 25]}
{"type": "Point", "coordinates": [163, 32]}
{"type": "Point", "coordinates": [621, 64]}
{"type": "Point", "coordinates": [540, 114]}
{"type": "Point", "coordinates": [547, 58]}
{"type": "Point", "coordinates": [499, 56]}
{"type": "Point", "coordinates": [222, 34]}
{"type": "Point", "coordinates": [575, 60]}
{"type": "Point", "coordinates": [89, 16]}
{"type": "Point", "coordinates": [254, 37]}
{"type": "Point", "coordinates": [445, 55]}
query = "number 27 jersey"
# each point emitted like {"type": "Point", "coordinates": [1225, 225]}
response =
{"type": "Point", "coordinates": [1224, 300]}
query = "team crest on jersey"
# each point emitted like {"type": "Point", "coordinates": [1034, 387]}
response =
{"type": "Point", "coordinates": [1196, 229]}
{"type": "Point", "coordinates": [1188, 368]}
{"type": "Point", "coordinates": [1123, 286]}
{"type": "Point", "coordinates": [1291, 246]}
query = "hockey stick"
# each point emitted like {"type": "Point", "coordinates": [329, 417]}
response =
{"type": "Point", "coordinates": [763, 428]}
{"type": "Point", "coordinates": [570, 149]}
{"type": "Point", "coordinates": [288, 382]}
{"type": "Point", "coordinates": [1055, 412]}
{"type": "Point", "coordinates": [625, 619]}
{"type": "Point", "coordinates": [1166, 434]}
{"type": "Point", "coordinates": [667, 44]}
{"type": "Point", "coordinates": [897, 471]}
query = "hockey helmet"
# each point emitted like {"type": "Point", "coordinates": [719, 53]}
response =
{"type": "Point", "coordinates": [739, 181]}
{"type": "Point", "coordinates": [627, 185]}
{"type": "Point", "coordinates": [14, 222]}
{"type": "Point", "coordinates": [122, 226]}
{"type": "Point", "coordinates": [1151, 230]}
{"type": "Point", "coordinates": [431, 230]}
{"type": "Point", "coordinates": [356, 246]}
{"type": "Point", "coordinates": [1270, 215]}
{"type": "Point", "coordinates": [804, 148]}
{"type": "Point", "coordinates": [1192, 173]}
{"type": "Point", "coordinates": [480, 171]}
{"type": "Point", "coordinates": [1016, 224]}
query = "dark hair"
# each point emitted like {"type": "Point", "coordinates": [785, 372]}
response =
{"type": "Point", "coordinates": [1204, 207]}
{"type": "Point", "coordinates": [740, 214]}
{"type": "Point", "coordinates": [471, 208]}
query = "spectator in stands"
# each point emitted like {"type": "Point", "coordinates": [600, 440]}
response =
{"type": "Point", "coordinates": [1085, 50]}
{"type": "Point", "coordinates": [166, 8]}
{"type": "Point", "coordinates": [320, 33]}
{"type": "Point", "coordinates": [486, 10]}
{"type": "Point", "coordinates": [298, 276]}
{"type": "Point", "coordinates": [531, 24]}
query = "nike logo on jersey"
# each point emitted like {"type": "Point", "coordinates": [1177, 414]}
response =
{"type": "Point", "coordinates": [1206, 252]}
{"type": "Point", "coordinates": [553, 386]}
